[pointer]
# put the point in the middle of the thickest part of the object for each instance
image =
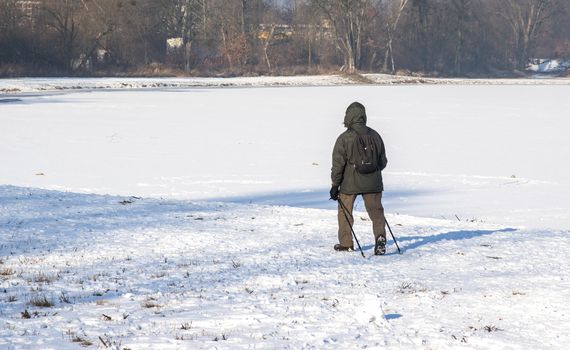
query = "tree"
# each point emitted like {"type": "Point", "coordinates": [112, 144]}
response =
{"type": "Point", "coordinates": [138, 38]}
{"type": "Point", "coordinates": [396, 9]}
{"type": "Point", "coordinates": [10, 18]}
{"type": "Point", "coordinates": [224, 34]}
{"type": "Point", "coordinates": [181, 18]}
{"type": "Point", "coordinates": [99, 20]}
{"type": "Point", "coordinates": [461, 10]}
{"type": "Point", "coordinates": [526, 19]}
{"type": "Point", "coordinates": [63, 17]}
{"type": "Point", "coordinates": [422, 38]}
{"type": "Point", "coordinates": [348, 18]}
{"type": "Point", "coordinates": [308, 32]}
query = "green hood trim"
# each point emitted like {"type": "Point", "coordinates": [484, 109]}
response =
{"type": "Point", "coordinates": [355, 115]}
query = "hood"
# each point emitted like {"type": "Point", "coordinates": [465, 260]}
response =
{"type": "Point", "coordinates": [355, 115]}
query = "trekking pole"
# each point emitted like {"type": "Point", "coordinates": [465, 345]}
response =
{"type": "Point", "coordinates": [345, 211]}
{"type": "Point", "coordinates": [387, 224]}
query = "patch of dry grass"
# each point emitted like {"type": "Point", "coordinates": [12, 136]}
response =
{"type": "Point", "coordinates": [41, 301]}
{"type": "Point", "coordinates": [6, 272]}
{"type": "Point", "coordinates": [43, 277]}
{"type": "Point", "coordinates": [76, 338]}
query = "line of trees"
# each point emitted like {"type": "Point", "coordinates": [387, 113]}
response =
{"type": "Point", "coordinates": [448, 37]}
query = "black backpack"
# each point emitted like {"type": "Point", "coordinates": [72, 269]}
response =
{"type": "Point", "coordinates": [365, 153]}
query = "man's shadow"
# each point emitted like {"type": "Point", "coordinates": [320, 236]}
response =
{"type": "Point", "coordinates": [418, 241]}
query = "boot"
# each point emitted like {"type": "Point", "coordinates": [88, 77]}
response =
{"type": "Point", "coordinates": [340, 248]}
{"type": "Point", "coordinates": [380, 247]}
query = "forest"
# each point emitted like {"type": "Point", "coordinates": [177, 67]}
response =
{"type": "Point", "coordinates": [470, 38]}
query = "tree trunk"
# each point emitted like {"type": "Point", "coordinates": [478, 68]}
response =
{"type": "Point", "coordinates": [266, 46]}
{"type": "Point", "coordinates": [187, 55]}
{"type": "Point", "coordinates": [225, 44]}
{"type": "Point", "coordinates": [391, 29]}
{"type": "Point", "coordinates": [243, 6]}
{"type": "Point", "coordinates": [310, 58]}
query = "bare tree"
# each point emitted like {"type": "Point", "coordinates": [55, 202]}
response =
{"type": "Point", "coordinates": [462, 12]}
{"type": "Point", "coordinates": [348, 18]}
{"type": "Point", "coordinates": [396, 9]}
{"type": "Point", "coordinates": [422, 39]}
{"type": "Point", "coordinates": [267, 37]}
{"type": "Point", "coordinates": [99, 19]}
{"type": "Point", "coordinates": [63, 17]}
{"type": "Point", "coordinates": [10, 14]}
{"type": "Point", "coordinates": [308, 27]}
{"type": "Point", "coordinates": [140, 25]}
{"type": "Point", "coordinates": [225, 30]}
{"type": "Point", "coordinates": [10, 18]}
{"type": "Point", "coordinates": [526, 19]}
{"type": "Point", "coordinates": [181, 18]}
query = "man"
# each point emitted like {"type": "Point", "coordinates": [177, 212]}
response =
{"type": "Point", "coordinates": [353, 174]}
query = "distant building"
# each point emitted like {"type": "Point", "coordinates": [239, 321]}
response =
{"type": "Point", "coordinates": [284, 32]}
{"type": "Point", "coordinates": [174, 44]}
{"type": "Point", "coordinates": [279, 32]}
{"type": "Point", "coordinates": [30, 9]}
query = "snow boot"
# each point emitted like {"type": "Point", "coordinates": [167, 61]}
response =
{"type": "Point", "coordinates": [340, 248]}
{"type": "Point", "coordinates": [380, 247]}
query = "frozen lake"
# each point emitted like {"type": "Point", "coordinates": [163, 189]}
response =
{"type": "Point", "coordinates": [472, 151]}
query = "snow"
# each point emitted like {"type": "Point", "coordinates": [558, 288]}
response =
{"type": "Point", "coordinates": [548, 65]}
{"type": "Point", "coordinates": [31, 85]}
{"type": "Point", "coordinates": [52, 85]}
{"type": "Point", "coordinates": [198, 218]}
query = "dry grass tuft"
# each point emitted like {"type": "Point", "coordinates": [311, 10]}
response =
{"type": "Point", "coordinates": [41, 301]}
{"type": "Point", "coordinates": [150, 304]}
{"type": "Point", "coordinates": [83, 341]}
{"type": "Point", "coordinates": [411, 288]}
{"type": "Point", "coordinates": [492, 328]}
{"type": "Point", "coordinates": [6, 272]}
{"type": "Point", "coordinates": [44, 278]}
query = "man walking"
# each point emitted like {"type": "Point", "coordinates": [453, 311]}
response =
{"type": "Point", "coordinates": [358, 159]}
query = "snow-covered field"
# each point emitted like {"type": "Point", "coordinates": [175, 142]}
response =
{"type": "Point", "coordinates": [191, 218]}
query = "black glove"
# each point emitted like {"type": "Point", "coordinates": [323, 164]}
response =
{"type": "Point", "coordinates": [334, 193]}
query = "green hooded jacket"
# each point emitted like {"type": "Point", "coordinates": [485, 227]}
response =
{"type": "Point", "coordinates": [343, 172]}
